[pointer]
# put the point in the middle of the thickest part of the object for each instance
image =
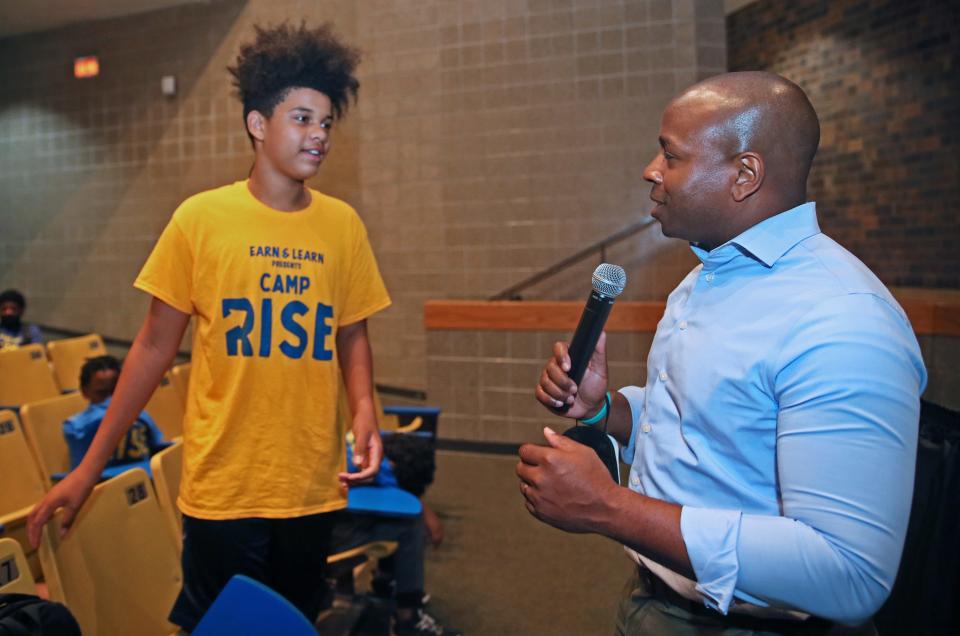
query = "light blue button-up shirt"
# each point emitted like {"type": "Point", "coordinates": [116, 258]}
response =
{"type": "Point", "coordinates": [781, 411]}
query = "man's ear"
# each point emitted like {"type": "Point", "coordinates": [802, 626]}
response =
{"type": "Point", "coordinates": [750, 172]}
{"type": "Point", "coordinates": [255, 124]}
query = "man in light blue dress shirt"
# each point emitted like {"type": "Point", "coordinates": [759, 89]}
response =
{"type": "Point", "coordinates": [772, 447]}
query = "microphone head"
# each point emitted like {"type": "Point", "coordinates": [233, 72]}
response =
{"type": "Point", "coordinates": [609, 280]}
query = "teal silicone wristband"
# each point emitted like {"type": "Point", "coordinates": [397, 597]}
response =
{"type": "Point", "coordinates": [601, 413]}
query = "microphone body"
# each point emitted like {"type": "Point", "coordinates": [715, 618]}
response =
{"type": "Point", "coordinates": [608, 283]}
{"type": "Point", "coordinates": [585, 338]}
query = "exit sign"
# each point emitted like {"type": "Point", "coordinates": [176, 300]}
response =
{"type": "Point", "coordinates": [88, 66]}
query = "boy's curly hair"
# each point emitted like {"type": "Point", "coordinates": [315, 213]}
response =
{"type": "Point", "coordinates": [284, 57]}
{"type": "Point", "coordinates": [94, 365]}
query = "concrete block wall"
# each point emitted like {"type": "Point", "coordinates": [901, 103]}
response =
{"type": "Point", "coordinates": [492, 138]}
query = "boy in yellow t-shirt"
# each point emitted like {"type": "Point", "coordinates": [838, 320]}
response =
{"type": "Point", "coordinates": [280, 279]}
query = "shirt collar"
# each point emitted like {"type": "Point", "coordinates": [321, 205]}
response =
{"type": "Point", "coordinates": [773, 237]}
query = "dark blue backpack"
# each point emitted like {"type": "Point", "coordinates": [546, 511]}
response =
{"type": "Point", "coordinates": [28, 615]}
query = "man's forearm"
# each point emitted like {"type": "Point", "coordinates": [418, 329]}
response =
{"type": "Point", "coordinates": [649, 526]}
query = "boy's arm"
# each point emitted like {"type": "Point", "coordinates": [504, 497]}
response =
{"type": "Point", "coordinates": [356, 364]}
{"type": "Point", "coordinates": [148, 359]}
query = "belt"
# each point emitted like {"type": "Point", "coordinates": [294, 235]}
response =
{"type": "Point", "coordinates": [665, 594]}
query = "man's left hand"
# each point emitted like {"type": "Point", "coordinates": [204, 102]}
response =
{"type": "Point", "coordinates": [564, 484]}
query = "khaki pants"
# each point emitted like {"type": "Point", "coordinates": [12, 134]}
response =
{"type": "Point", "coordinates": [648, 608]}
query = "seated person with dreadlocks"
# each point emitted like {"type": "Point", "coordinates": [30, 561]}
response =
{"type": "Point", "coordinates": [409, 464]}
{"type": "Point", "coordinates": [98, 378]}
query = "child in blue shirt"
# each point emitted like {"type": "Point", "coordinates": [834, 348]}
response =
{"type": "Point", "coordinates": [408, 464]}
{"type": "Point", "coordinates": [98, 378]}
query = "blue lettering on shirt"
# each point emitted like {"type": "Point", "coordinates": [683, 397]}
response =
{"type": "Point", "coordinates": [295, 338]}
{"type": "Point", "coordinates": [240, 334]}
{"type": "Point", "coordinates": [284, 284]}
{"type": "Point", "coordinates": [287, 317]}
{"type": "Point", "coordinates": [320, 332]}
{"type": "Point", "coordinates": [266, 327]}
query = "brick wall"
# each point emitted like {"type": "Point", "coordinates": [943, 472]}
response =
{"type": "Point", "coordinates": [882, 74]}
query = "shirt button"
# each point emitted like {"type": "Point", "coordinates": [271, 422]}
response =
{"type": "Point", "coordinates": [646, 428]}
{"type": "Point", "coordinates": [663, 376]}
{"type": "Point", "coordinates": [634, 480]}
{"type": "Point", "coordinates": [710, 277]}
{"type": "Point", "coordinates": [683, 325]}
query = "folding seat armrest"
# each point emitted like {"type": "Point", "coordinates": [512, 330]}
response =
{"type": "Point", "coordinates": [429, 417]}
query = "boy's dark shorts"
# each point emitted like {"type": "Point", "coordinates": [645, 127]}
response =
{"type": "Point", "coordinates": [288, 555]}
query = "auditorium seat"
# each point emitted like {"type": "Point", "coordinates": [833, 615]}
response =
{"type": "Point", "coordinates": [15, 576]}
{"type": "Point", "coordinates": [69, 354]}
{"type": "Point", "coordinates": [166, 466]}
{"type": "Point", "coordinates": [249, 608]}
{"type": "Point", "coordinates": [166, 407]}
{"type": "Point", "coordinates": [385, 421]}
{"type": "Point", "coordinates": [117, 568]}
{"type": "Point", "coordinates": [43, 425]}
{"type": "Point", "coordinates": [391, 421]}
{"type": "Point", "coordinates": [25, 376]}
{"type": "Point", "coordinates": [180, 375]}
{"type": "Point", "coordinates": [22, 484]}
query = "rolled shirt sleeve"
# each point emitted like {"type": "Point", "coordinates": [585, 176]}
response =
{"type": "Point", "coordinates": [846, 447]}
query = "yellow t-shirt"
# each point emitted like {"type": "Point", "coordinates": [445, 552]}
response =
{"type": "Point", "coordinates": [269, 290]}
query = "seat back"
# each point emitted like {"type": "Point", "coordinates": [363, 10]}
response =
{"type": "Point", "coordinates": [166, 407]}
{"type": "Point", "coordinates": [43, 425]}
{"type": "Point", "coordinates": [117, 569]}
{"type": "Point", "coordinates": [246, 608]}
{"type": "Point", "coordinates": [26, 376]}
{"type": "Point", "coordinates": [23, 485]}
{"type": "Point", "coordinates": [180, 375]}
{"type": "Point", "coordinates": [385, 421]}
{"type": "Point", "coordinates": [15, 577]}
{"type": "Point", "coordinates": [166, 466]}
{"type": "Point", "coordinates": [69, 354]}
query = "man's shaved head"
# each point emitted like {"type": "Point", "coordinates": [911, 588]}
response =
{"type": "Point", "coordinates": [760, 112]}
{"type": "Point", "coordinates": [735, 149]}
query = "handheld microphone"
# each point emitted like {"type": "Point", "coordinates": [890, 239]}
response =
{"type": "Point", "coordinates": [608, 283]}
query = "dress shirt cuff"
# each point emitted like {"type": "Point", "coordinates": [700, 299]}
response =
{"type": "Point", "coordinates": [634, 396]}
{"type": "Point", "coordinates": [711, 537]}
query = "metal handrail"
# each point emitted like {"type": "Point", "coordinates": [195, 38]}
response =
{"type": "Point", "coordinates": [513, 292]}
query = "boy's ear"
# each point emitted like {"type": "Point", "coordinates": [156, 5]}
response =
{"type": "Point", "coordinates": [255, 120]}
